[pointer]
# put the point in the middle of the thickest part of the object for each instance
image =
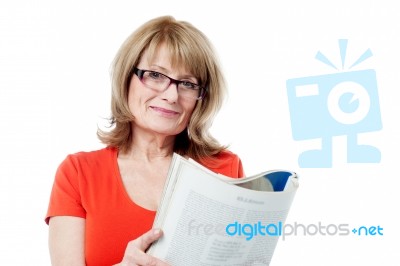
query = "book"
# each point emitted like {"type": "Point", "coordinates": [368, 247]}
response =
{"type": "Point", "coordinates": [211, 219]}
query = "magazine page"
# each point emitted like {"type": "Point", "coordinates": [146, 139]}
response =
{"type": "Point", "coordinates": [209, 222]}
{"type": "Point", "coordinates": [272, 180]}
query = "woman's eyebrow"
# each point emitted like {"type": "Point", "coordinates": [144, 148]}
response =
{"type": "Point", "coordinates": [167, 71]}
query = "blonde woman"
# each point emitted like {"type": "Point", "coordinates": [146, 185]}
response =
{"type": "Point", "coordinates": [167, 87]}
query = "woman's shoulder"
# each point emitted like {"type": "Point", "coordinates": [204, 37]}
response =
{"type": "Point", "coordinates": [90, 158]}
{"type": "Point", "coordinates": [225, 162]}
{"type": "Point", "coordinates": [93, 154]}
{"type": "Point", "coordinates": [226, 155]}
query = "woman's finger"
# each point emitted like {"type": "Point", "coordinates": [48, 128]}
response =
{"type": "Point", "coordinates": [146, 239]}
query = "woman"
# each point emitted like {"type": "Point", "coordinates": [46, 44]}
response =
{"type": "Point", "coordinates": [167, 87]}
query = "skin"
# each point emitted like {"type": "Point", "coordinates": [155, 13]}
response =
{"type": "Point", "coordinates": [159, 117]}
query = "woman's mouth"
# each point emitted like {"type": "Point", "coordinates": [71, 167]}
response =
{"type": "Point", "coordinates": [164, 112]}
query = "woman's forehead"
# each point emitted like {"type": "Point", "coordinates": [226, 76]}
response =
{"type": "Point", "coordinates": [163, 57]}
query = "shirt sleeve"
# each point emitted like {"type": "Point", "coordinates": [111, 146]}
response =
{"type": "Point", "coordinates": [65, 197]}
{"type": "Point", "coordinates": [226, 163]}
{"type": "Point", "coordinates": [240, 170]}
{"type": "Point", "coordinates": [236, 167]}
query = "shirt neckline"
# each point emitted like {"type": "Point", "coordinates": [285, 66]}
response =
{"type": "Point", "coordinates": [121, 184]}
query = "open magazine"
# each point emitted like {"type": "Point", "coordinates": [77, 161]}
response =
{"type": "Point", "coordinates": [211, 219]}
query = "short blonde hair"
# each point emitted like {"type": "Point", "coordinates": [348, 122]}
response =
{"type": "Point", "coordinates": [189, 48]}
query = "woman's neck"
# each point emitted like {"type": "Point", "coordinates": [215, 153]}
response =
{"type": "Point", "coordinates": [150, 146]}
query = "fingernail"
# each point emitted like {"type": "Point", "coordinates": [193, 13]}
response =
{"type": "Point", "coordinates": [157, 232]}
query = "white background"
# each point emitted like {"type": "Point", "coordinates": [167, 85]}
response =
{"type": "Point", "coordinates": [55, 91]}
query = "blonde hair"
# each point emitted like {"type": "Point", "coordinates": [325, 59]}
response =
{"type": "Point", "coordinates": [188, 48]}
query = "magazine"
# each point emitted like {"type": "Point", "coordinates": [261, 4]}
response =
{"type": "Point", "coordinates": [211, 219]}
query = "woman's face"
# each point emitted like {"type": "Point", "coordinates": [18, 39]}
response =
{"type": "Point", "coordinates": [166, 112]}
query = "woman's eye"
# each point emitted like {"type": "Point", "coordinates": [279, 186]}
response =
{"type": "Point", "coordinates": [188, 85]}
{"type": "Point", "coordinates": [155, 75]}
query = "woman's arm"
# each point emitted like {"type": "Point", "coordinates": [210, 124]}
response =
{"type": "Point", "coordinates": [66, 240]}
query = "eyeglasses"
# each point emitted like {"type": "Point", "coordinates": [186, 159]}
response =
{"type": "Point", "coordinates": [160, 82]}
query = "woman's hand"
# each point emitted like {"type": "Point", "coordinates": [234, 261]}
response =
{"type": "Point", "coordinates": [135, 251]}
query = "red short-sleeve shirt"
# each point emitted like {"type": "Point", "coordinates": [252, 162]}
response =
{"type": "Point", "coordinates": [89, 185]}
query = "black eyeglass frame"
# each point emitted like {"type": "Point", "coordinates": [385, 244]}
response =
{"type": "Point", "coordinates": [140, 73]}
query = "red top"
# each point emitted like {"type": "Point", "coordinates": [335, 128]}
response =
{"type": "Point", "coordinates": [89, 185]}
